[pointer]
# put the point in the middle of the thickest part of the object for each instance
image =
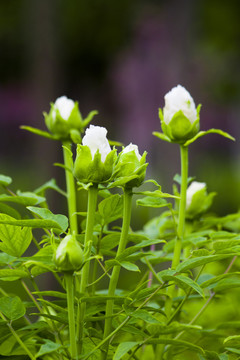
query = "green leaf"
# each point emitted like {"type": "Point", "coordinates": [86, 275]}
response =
{"type": "Point", "coordinates": [5, 180]}
{"type": "Point", "coordinates": [124, 348]}
{"type": "Point", "coordinates": [46, 214]}
{"type": "Point", "coordinates": [13, 274]}
{"type": "Point", "coordinates": [227, 284]}
{"type": "Point", "coordinates": [51, 184]}
{"type": "Point", "coordinates": [39, 132]}
{"type": "Point", "coordinates": [12, 307]}
{"type": "Point", "coordinates": [177, 343]}
{"type": "Point", "coordinates": [14, 240]}
{"type": "Point", "coordinates": [111, 208]}
{"type": "Point", "coordinates": [202, 260]}
{"type": "Point", "coordinates": [154, 202]}
{"type": "Point", "coordinates": [40, 224]}
{"type": "Point", "coordinates": [211, 282]}
{"type": "Point", "coordinates": [233, 350]}
{"type": "Point", "coordinates": [23, 198]}
{"type": "Point", "coordinates": [183, 282]}
{"type": "Point", "coordinates": [56, 294]}
{"type": "Point", "coordinates": [211, 131]}
{"type": "Point", "coordinates": [6, 259]}
{"type": "Point", "coordinates": [110, 241]}
{"type": "Point", "coordinates": [232, 341]}
{"type": "Point", "coordinates": [8, 210]}
{"type": "Point", "coordinates": [48, 347]}
{"type": "Point", "coordinates": [145, 316]}
{"type": "Point", "coordinates": [129, 266]}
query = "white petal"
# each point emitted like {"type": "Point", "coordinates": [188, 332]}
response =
{"type": "Point", "coordinates": [65, 106]}
{"type": "Point", "coordinates": [194, 187]}
{"type": "Point", "coordinates": [96, 139]}
{"type": "Point", "coordinates": [132, 147]}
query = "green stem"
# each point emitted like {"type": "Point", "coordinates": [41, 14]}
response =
{"type": "Point", "coordinates": [127, 196]}
{"type": "Point", "coordinates": [92, 202]}
{"type": "Point", "coordinates": [179, 238]}
{"type": "Point", "coordinates": [71, 315]}
{"type": "Point", "coordinates": [14, 333]}
{"type": "Point", "coordinates": [71, 189]}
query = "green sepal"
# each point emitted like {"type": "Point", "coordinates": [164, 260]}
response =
{"type": "Point", "coordinates": [39, 132]}
{"type": "Point", "coordinates": [129, 171]}
{"type": "Point", "coordinates": [88, 170]}
{"type": "Point", "coordinates": [89, 118]}
{"type": "Point", "coordinates": [179, 128]}
{"type": "Point", "coordinates": [161, 136]}
{"type": "Point", "coordinates": [211, 131]}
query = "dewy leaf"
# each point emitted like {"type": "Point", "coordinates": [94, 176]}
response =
{"type": "Point", "coordinates": [123, 349]}
{"type": "Point", "coordinates": [46, 214]}
{"type": "Point", "coordinates": [111, 208]}
{"type": "Point", "coordinates": [14, 240]}
{"type": "Point", "coordinates": [211, 131]}
{"type": "Point", "coordinates": [47, 348]}
{"type": "Point", "coordinates": [5, 180]}
{"type": "Point", "coordinates": [12, 307]}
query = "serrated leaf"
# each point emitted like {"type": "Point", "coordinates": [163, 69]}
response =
{"type": "Point", "coordinates": [5, 180]}
{"type": "Point", "coordinates": [14, 240]}
{"type": "Point", "coordinates": [211, 131]}
{"type": "Point", "coordinates": [46, 214]}
{"type": "Point", "coordinates": [12, 307]}
{"type": "Point", "coordinates": [123, 349]}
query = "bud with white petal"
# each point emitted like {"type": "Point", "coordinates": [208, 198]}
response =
{"type": "Point", "coordinates": [64, 119]}
{"type": "Point", "coordinates": [69, 254]}
{"type": "Point", "coordinates": [130, 164]}
{"type": "Point", "coordinates": [198, 200]}
{"type": "Point", "coordinates": [180, 117]}
{"type": "Point", "coordinates": [95, 158]}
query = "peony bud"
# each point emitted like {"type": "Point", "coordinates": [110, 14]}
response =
{"type": "Point", "coordinates": [180, 118]}
{"type": "Point", "coordinates": [197, 199]}
{"type": "Point", "coordinates": [130, 164]}
{"type": "Point", "coordinates": [64, 118]}
{"type": "Point", "coordinates": [69, 254]}
{"type": "Point", "coordinates": [95, 159]}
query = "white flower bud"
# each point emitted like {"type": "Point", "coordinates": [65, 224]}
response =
{"type": "Point", "coordinates": [96, 139]}
{"type": "Point", "coordinates": [194, 187]}
{"type": "Point", "coordinates": [179, 99]}
{"type": "Point", "coordinates": [132, 147]}
{"type": "Point", "coordinates": [65, 107]}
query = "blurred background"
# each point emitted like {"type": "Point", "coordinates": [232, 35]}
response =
{"type": "Point", "coordinates": [121, 58]}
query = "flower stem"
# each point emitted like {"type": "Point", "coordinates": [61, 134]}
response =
{"type": "Point", "coordinates": [70, 185]}
{"type": "Point", "coordinates": [71, 315]}
{"type": "Point", "coordinates": [179, 238]}
{"type": "Point", "coordinates": [92, 202]}
{"type": "Point", "coordinates": [181, 223]}
{"type": "Point", "coordinates": [127, 196]}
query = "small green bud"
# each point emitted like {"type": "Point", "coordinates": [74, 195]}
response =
{"type": "Point", "coordinates": [180, 117]}
{"type": "Point", "coordinates": [63, 118]}
{"type": "Point", "coordinates": [95, 159]}
{"type": "Point", "coordinates": [131, 164]}
{"type": "Point", "coordinates": [69, 254]}
{"type": "Point", "coordinates": [197, 200]}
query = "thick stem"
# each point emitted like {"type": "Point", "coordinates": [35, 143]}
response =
{"type": "Point", "coordinates": [71, 189]}
{"type": "Point", "coordinates": [92, 202]}
{"type": "Point", "coordinates": [71, 314]}
{"type": "Point", "coordinates": [116, 270]}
